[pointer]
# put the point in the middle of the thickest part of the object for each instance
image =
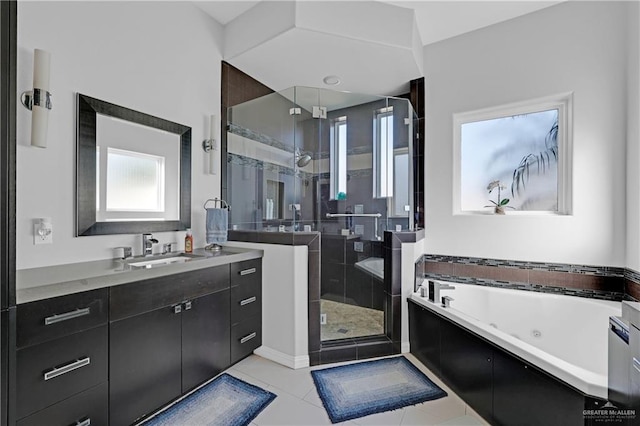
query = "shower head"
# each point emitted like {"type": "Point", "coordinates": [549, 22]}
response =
{"type": "Point", "coordinates": [303, 159]}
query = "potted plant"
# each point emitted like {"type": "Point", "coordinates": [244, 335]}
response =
{"type": "Point", "coordinates": [501, 203]}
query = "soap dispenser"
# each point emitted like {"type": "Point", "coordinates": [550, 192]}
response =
{"type": "Point", "coordinates": [188, 242]}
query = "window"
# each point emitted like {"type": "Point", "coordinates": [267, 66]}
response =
{"type": "Point", "coordinates": [515, 155]}
{"type": "Point", "coordinates": [134, 185]}
{"type": "Point", "coordinates": [135, 181]}
{"type": "Point", "coordinates": [398, 205]}
{"type": "Point", "coordinates": [338, 159]}
{"type": "Point", "coordinates": [383, 158]}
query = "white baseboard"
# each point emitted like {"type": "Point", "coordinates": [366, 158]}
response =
{"type": "Point", "coordinates": [290, 361]}
{"type": "Point", "coordinates": [405, 347]}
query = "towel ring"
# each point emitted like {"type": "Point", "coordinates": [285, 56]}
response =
{"type": "Point", "coordinates": [215, 201]}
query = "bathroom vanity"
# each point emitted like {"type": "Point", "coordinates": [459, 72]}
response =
{"type": "Point", "coordinates": [114, 346]}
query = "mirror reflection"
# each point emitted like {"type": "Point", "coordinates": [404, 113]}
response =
{"type": "Point", "coordinates": [137, 172]}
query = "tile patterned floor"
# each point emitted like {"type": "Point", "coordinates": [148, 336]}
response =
{"type": "Point", "coordinates": [298, 402]}
{"type": "Point", "coordinates": [346, 321]}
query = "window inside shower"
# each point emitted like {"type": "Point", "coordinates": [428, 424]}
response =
{"type": "Point", "coordinates": [356, 185]}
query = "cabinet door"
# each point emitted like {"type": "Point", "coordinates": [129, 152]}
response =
{"type": "Point", "coordinates": [424, 335]}
{"type": "Point", "coordinates": [525, 396]}
{"type": "Point", "coordinates": [466, 362]}
{"type": "Point", "coordinates": [205, 338]}
{"type": "Point", "coordinates": [145, 364]}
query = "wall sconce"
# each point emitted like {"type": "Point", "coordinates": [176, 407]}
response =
{"type": "Point", "coordinates": [211, 146]}
{"type": "Point", "coordinates": [38, 100]}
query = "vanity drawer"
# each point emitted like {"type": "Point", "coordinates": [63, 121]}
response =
{"type": "Point", "coordinates": [246, 272]}
{"type": "Point", "coordinates": [135, 298]}
{"type": "Point", "coordinates": [206, 281]}
{"type": "Point", "coordinates": [246, 301]}
{"type": "Point", "coordinates": [49, 319]}
{"type": "Point", "coordinates": [86, 408]}
{"type": "Point", "coordinates": [55, 370]}
{"type": "Point", "coordinates": [246, 336]}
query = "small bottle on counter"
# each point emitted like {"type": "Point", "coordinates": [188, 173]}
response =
{"type": "Point", "coordinates": [188, 242]}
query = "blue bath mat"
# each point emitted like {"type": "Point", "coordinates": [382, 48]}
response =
{"type": "Point", "coordinates": [224, 401]}
{"type": "Point", "coordinates": [371, 387]}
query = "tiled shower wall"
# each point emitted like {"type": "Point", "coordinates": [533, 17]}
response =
{"type": "Point", "coordinates": [602, 282]}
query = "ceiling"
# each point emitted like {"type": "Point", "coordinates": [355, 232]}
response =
{"type": "Point", "coordinates": [306, 48]}
{"type": "Point", "coordinates": [437, 20]}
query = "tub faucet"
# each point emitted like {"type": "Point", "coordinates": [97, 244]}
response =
{"type": "Point", "coordinates": [147, 244]}
{"type": "Point", "coordinates": [434, 290]}
{"type": "Point", "coordinates": [446, 301]}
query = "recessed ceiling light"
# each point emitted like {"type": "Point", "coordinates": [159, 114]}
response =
{"type": "Point", "coordinates": [331, 80]}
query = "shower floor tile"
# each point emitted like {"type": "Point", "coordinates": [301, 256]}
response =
{"type": "Point", "coordinates": [345, 321]}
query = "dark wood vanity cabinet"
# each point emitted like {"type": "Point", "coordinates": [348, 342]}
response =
{"type": "Point", "coordinates": [205, 339]}
{"type": "Point", "coordinates": [246, 308]}
{"type": "Point", "coordinates": [172, 336]}
{"type": "Point", "coordinates": [118, 354]}
{"type": "Point", "coordinates": [144, 364]}
{"type": "Point", "coordinates": [62, 360]}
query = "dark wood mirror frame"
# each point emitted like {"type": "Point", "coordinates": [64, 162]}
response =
{"type": "Point", "coordinates": [86, 224]}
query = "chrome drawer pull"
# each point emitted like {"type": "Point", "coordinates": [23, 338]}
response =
{"type": "Point", "coordinates": [59, 371]}
{"type": "Point", "coordinates": [248, 271]}
{"type": "Point", "coordinates": [636, 364]}
{"type": "Point", "coordinates": [247, 301]}
{"type": "Point", "coordinates": [248, 337]}
{"type": "Point", "coordinates": [67, 316]}
{"type": "Point", "coordinates": [85, 422]}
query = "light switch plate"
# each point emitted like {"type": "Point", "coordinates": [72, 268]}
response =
{"type": "Point", "coordinates": [358, 246]}
{"type": "Point", "coordinates": [359, 230]}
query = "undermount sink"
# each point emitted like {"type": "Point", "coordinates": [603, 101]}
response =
{"type": "Point", "coordinates": [162, 260]}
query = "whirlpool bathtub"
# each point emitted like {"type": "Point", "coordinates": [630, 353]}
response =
{"type": "Point", "coordinates": [566, 336]}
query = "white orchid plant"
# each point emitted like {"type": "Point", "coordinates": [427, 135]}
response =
{"type": "Point", "coordinates": [501, 203]}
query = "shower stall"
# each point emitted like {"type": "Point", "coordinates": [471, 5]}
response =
{"type": "Point", "coordinates": [308, 160]}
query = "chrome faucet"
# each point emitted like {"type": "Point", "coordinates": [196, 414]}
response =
{"type": "Point", "coordinates": [434, 290]}
{"type": "Point", "coordinates": [446, 301]}
{"type": "Point", "coordinates": [147, 244]}
{"type": "Point", "coordinates": [168, 247]}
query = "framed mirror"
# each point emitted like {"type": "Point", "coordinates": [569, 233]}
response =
{"type": "Point", "coordinates": [133, 171]}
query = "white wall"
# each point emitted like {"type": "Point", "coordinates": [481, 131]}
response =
{"type": "Point", "coordinates": [633, 139]}
{"type": "Point", "coordinates": [161, 58]}
{"type": "Point", "coordinates": [285, 292]}
{"type": "Point", "coordinates": [574, 46]}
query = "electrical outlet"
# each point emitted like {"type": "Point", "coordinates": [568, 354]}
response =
{"type": "Point", "coordinates": [42, 231]}
{"type": "Point", "coordinates": [323, 319]}
{"type": "Point", "coordinates": [359, 230]}
{"type": "Point", "coordinates": [358, 246]}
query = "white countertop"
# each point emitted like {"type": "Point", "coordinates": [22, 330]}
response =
{"type": "Point", "coordinates": [53, 281]}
